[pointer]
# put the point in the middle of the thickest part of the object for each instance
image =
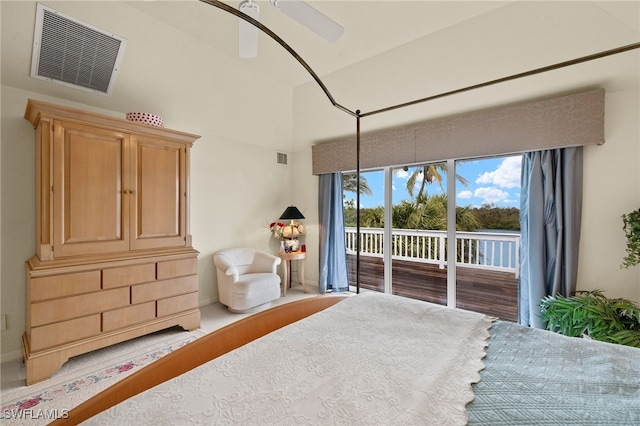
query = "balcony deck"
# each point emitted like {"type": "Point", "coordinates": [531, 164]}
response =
{"type": "Point", "coordinates": [490, 292]}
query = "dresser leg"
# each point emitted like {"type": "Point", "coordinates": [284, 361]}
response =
{"type": "Point", "coordinates": [42, 366]}
{"type": "Point", "coordinates": [190, 322]}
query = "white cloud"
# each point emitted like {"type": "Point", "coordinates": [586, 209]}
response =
{"type": "Point", "coordinates": [507, 175]}
{"type": "Point", "coordinates": [465, 194]}
{"type": "Point", "coordinates": [401, 173]}
{"type": "Point", "coordinates": [491, 195]}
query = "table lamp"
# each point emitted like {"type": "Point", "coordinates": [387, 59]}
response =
{"type": "Point", "coordinates": [292, 213]}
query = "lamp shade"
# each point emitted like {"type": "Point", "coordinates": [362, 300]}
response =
{"type": "Point", "coordinates": [292, 213]}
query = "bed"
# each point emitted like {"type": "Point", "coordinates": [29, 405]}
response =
{"type": "Point", "coordinates": [377, 359]}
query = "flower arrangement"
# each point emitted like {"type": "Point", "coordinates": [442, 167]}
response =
{"type": "Point", "coordinates": [282, 230]}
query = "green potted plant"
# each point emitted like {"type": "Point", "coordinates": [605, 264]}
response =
{"type": "Point", "coordinates": [631, 227]}
{"type": "Point", "coordinates": [591, 314]}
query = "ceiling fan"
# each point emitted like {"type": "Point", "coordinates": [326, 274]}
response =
{"type": "Point", "coordinates": [298, 10]}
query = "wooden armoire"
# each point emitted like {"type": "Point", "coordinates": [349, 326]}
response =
{"type": "Point", "coordinates": [113, 258]}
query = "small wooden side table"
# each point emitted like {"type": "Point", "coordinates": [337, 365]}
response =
{"type": "Point", "coordinates": [286, 268]}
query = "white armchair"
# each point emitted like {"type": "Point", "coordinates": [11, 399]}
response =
{"type": "Point", "coordinates": [247, 279]}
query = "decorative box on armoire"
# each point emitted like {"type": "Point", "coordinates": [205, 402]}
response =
{"type": "Point", "coordinates": [113, 257]}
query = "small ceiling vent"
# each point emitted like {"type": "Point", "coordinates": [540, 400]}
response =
{"type": "Point", "coordinates": [75, 54]}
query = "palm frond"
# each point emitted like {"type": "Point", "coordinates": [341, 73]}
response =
{"type": "Point", "coordinates": [592, 314]}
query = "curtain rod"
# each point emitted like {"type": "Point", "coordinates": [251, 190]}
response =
{"type": "Point", "coordinates": [512, 77]}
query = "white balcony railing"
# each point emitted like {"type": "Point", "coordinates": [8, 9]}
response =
{"type": "Point", "coordinates": [482, 250]}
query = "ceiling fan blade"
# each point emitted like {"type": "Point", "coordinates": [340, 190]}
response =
{"type": "Point", "coordinates": [247, 33]}
{"type": "Point", "coordinates": [310, 18]}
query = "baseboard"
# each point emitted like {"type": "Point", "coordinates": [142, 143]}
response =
{"type": "Point", "coordinates": [11, 356]}
{"type": "Point", "coordinates": [205, 302]}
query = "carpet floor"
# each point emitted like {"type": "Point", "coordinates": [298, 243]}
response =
{"type": "Point", "coordinates": [86, 375]}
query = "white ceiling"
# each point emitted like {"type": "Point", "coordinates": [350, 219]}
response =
{"type": "Point", "coordinates": [515, 35]}
{"type": "Point", "coordinates": [371, 28]}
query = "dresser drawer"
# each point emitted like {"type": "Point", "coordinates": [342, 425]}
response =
{"type": "Point", "coordinates": [51, 287]}
{"type": "Point", "coordinates": [177, 268]}
{"type": "Point", "coordinates": [78, 306]}
{"type": "Point", "coordinates": [177, 304]}
{"type": "Point", "coordinates": [64, 332]}
{"type": "Point", "coordinates": [128, 275]}
{"type": "Point", "coordinates": [120, 318]}
{"type": "Point", "coordinates": [161, 289]}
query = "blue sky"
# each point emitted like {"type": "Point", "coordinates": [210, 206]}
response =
{"type": "Point", "coordinates": [491, 180]}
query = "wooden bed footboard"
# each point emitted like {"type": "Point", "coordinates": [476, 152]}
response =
{"type": "Point", "coordinates": [199, 352]}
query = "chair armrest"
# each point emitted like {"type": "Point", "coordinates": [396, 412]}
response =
{"type": "Point", "coordinates": [265, 262]}
{"type": "Point", "coordinates": [223, 264]}
{"type": "Point", "coordinates": [231, 270]}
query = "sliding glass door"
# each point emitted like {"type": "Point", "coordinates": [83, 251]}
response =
{"type": "Point", "coordinates": [488, 237]}
{"type": "Point", "coordinates": [372, 220]}
{"type": "Point", "coordinates": [450, 241]}
{"type": "Point", "coordinates": [418, 235]}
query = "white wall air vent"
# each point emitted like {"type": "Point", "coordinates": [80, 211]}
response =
{"type": "Point", "coordinates": [282, 158]}
{"type": "Point", "coordinates": [75, 54]}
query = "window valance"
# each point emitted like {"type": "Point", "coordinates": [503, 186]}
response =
{"type": "Point", "coordinates": [570, 120]}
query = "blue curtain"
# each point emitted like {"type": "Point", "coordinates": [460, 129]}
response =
{"type": "Point", "coordinates": [333, 253]}
{"type": "Point", "coordinates": [550, 217]}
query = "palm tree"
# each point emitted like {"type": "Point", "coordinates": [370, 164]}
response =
{"type": "Point", "coordinates": [430, 212]}
{"type": "Point", "coordinates": [431, 173]}
{"type": "Point", "coordinates": [421, 213]}
{"type": "Point", "coordinates": [350, 183]}
{"type": "Point", "coordinates": [466, 219]}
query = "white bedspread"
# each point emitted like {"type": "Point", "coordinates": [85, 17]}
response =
{"type": "Point", "coordinates": [372, 359]}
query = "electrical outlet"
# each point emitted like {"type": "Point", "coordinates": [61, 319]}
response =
{"type": "Point", "coordinates": [4, 322]}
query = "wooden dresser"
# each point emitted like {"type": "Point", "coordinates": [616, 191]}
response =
{"type": "Point", "coordinates": [113, 257]}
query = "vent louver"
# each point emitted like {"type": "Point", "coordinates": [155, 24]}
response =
{"type": "Point", "coordinates": [282, 158]}
{"type": "Point", "coordinates": [75, 54]}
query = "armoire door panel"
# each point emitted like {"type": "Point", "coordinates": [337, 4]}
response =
{"type": "Point", "coordinates": [158, 216]}
{"type": "Point", "coordinates": [88, 190]}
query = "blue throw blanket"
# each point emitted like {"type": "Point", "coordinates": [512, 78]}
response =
{"type": "Point", "coordinates": [534, 376]}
